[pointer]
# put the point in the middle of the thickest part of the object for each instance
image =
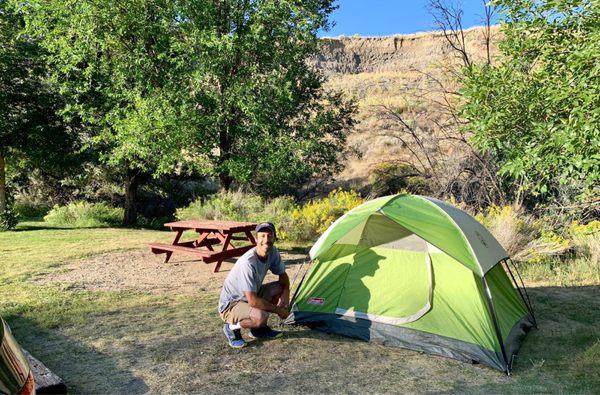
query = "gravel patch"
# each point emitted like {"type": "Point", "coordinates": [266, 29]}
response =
{"type": "Point", "coordinates": [142, 271]}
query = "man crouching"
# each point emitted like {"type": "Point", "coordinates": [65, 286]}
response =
{"type": "Point", "coordinates": [244, 301]}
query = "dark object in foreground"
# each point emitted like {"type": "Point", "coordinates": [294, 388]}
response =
{"type": "Point", "coordinates": [210, 233]}
{"type": "Point", "coordinates": [46, 382]}
{"type": "Point", "coordinates": [21, 373]}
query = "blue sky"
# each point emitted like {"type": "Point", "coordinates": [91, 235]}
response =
{"type": "Point", "coordinates": [387, 17]}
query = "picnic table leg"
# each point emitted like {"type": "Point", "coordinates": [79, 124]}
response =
{"type": "Point", "coordinates": [201, 237]}
{"type": "Point", "coordinates": [217, 267]}
{"type": "Point", "coordinates": [225, 246]}
{"type": "Point", "coordinates": [250, 237]}
{"type": "Point", "coordinates": [177, 237]}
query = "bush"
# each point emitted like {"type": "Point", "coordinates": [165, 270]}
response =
{"type": "Point", "coordinates": [586, 238]}
{"type": "Point", "coordinates": [314, 218]}
{"type": "Point", "coordinates": [8, 219]}
{"type": "Point", "coordinates": [30, 210]}
{"type": "Point", "coordinates": [292, 222]}
{"type": "Point", "coordinates": [232, 206]}
{"type": "Point", "coordinates": [524, 238]}
{"type": "Point", "coordinates": [239, 206]}
{"type": "Point", "coordinates": [84, 214]}
{"type": "Point", "coordinates": [388, 178]}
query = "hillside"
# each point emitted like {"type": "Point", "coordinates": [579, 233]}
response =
{"type": "Point", "coordinates": [394, 71]}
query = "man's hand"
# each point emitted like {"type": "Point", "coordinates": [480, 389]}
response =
{"type": "Point", "coordinates": [284, 299]}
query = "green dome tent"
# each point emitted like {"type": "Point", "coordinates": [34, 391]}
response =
{"type": "Point", "coordinates": [418, 273]}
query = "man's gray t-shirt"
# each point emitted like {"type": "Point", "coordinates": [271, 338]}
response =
{"type": "Point", "coordinates": [247, 275]}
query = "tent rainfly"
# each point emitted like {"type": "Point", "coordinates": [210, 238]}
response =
{"type": "Point", "coordinates": [418, 273]}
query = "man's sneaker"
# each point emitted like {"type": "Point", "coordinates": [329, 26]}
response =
{"type": "Point", "coordinates": [234, 337]}
{"type": "Point", "coordinates": [265, 332]}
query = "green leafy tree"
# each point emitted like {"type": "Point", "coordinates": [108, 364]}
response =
{"type": "Point", "coordinates": [225, 85]}
{"type": "Point", "coordinates": [31, 132]}
{"type": "Point", "coordinates": [537, 109]}
{"type": "Point", "coordinates": [273, 125]}
{"type": "Point", "coordinates": [122, 68]}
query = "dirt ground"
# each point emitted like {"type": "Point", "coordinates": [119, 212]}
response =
{"type": "Point", "coordinates": [141, 270]}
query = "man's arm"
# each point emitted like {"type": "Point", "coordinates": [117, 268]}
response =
{"type": "Point", "coordinates": [259, 303]}
{"type": "Point", "coordinates": [284, 281]}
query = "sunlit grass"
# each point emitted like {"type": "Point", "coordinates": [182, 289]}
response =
{"type": "Point", "coordinates": [137, 342]}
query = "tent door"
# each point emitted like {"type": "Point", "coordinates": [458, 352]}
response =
{"type": "Point", "coordinates": [387, 296]}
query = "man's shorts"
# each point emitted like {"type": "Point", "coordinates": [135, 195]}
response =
{"type": "Point", "coordinates": [238, 311]}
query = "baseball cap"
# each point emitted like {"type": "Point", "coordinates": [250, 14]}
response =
{"type": "Point", "coordinates": [266, 226]}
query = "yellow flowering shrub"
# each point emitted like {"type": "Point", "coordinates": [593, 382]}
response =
{"type": "Point", "coordinates": [314, 217]}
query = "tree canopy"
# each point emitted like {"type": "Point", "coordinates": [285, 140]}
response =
{"type": "Point", "coordinates": [225, 86]}
{"type": "Point", "coordinates": [271, 122]}
{"type": "Point", "coordinates": [30, 129]}
{"type": "Point", "coordinates": [537, 108]}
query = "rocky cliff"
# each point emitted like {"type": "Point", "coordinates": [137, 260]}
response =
{"type": "Point", "coordinates": [390, 71]}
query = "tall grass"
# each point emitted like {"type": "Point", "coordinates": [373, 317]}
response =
{"type": "Point", "coordinates": [84, 215]}
{"type": "Point", "coordinates": [293, 222]}
{"type": "Point", "coordinates": [565, 256]}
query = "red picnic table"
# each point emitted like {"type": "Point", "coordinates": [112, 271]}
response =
{"type": "Point", "coordinates": [214, 240]}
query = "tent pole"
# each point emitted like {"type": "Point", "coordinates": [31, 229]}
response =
{"type": "Point", "coordinates": [527, 302]}
{"type": "Point", "coordinates": [492, 309]}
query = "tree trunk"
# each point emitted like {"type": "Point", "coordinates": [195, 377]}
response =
{"type": "Point", "coordinates": [226, 180]}
{"type": "Point", "coordinates": [2, 184]}
{"type": "Point", "coordinates": [131, 186]}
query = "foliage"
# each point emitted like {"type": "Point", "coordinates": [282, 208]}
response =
{"type": "Point", "coordinates": [223, 87]}
{"type": "Point", "coordinates": [293, 222]}
{"type": "Point", "coordinates": [525, 238]}
{"type": "Point", "coordinates": [31, 134]}
{"type": "Point", "coordinates": [239, 206]}
{"type": "Point", "coordinates": [586, 239]}
{"type": "Point", "coordinates": [121, 70]}
{"type": "Point", "coordinates": [312, 219]}
{"type": "Point", "coordinates": [388, 178]}
{"type": "Point", "coordinates": [8, 219]}
{"type": "Point", "coordinates": [537, 110]}
{"type": "Point", "coordinates": [272, 124]}
{"type": "Point", "coordinates": [30, 210]}
{"type": "Point", "coordinates": [84, 215]}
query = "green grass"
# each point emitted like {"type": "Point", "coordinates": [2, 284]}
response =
{"type": "Point", "coordinates": [135, 342]}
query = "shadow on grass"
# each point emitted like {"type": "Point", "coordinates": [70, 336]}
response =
{"type": "Point", "coordinates": [180, 348]}
{"type": "Point", "coordinates": [42, 225]}
{"type": "Point", "coordinates": [81, 367]}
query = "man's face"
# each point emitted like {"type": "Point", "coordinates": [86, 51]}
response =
{"type": "Point", "coordinates": [264, 242]}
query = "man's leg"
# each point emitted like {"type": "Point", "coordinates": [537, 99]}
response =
{"type": "Point", "coordinates": [236, 317]}
{"type": "Point", "coordinates": [258, 318]}
{"type": "Point", "coordinates": [259, 329]}
{"type": "Point", "coordinates": [271, 292]}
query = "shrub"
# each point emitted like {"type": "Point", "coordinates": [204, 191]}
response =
{"type": "Point", "coordinates": [8, 219]}
{"type": "Point", "coordinates": [586, 238]}
{"type": "Point", "coordinates": [523, 237]}
{"type": "Point", "coordinates": [280, 211]}
{"type": "Point", "coordinates": [291, 221]}
{"type": "Point", "coordinates": [232, 206]}
{"type": "Point", "coordinates": [30, 210]}
{"type": "Point", "coordinates": [238, 206]}
{"type": "Point", "coordinates": [314, 218]}
{"type": "Point", "coordinates": [388, 178]}
{"type": "Point", "coordinates": [84, 214]}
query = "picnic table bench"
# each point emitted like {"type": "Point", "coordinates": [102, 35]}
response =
{"type": "Point", "coordinates": [213, 243]}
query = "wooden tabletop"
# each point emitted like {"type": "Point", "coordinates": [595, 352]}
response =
{"type": "Point", "coordinates": [209, 224]}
